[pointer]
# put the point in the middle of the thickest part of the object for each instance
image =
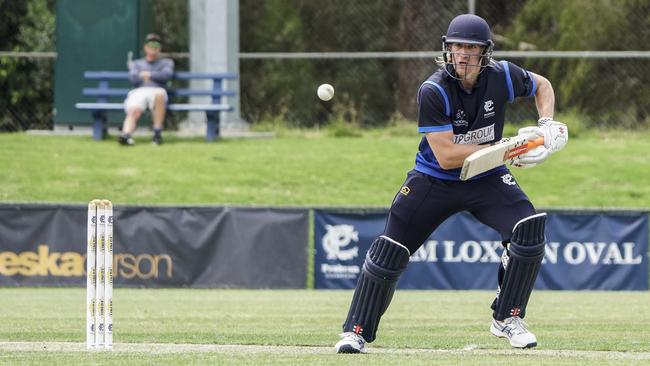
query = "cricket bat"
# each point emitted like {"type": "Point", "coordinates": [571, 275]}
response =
{"type": "Point", "coordinates": [497, 154]}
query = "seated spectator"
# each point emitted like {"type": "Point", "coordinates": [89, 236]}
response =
{"type": "Point", "coordinates": [149, 76]}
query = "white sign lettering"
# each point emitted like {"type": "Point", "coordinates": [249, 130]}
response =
{"type": "Point", "coordinates": [574, 253]}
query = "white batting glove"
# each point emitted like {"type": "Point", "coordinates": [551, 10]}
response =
{"type": "Point", "coordinates": [534, 156]}
{"type": "Point", "coordinates": [530, 159]}
{"type": "Point", "coordinates": [517, 164]}
{"type": "Point", "coordinates": [556, 134]}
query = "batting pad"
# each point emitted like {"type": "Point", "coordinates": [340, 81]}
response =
{"type": "Point", "coordinates": [526, 251]}
{"type": "Point", "coordinates": [385, 262]}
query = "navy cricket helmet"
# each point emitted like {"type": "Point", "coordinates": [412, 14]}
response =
{"type": "Point", "coordinates": [468, 29]}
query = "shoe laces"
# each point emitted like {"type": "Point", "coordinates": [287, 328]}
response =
{"type": "Point", "coordinates": [517, 325]}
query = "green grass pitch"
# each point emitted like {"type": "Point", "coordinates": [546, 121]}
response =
{"type": "Point", "coordinates": [217, 326]}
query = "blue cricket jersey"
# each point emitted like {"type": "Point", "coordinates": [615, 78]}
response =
{"type": "Point", "coordinates": [475, 118]}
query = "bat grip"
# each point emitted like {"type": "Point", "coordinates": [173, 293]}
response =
{"type": "Point", "coordinates": [536, 142]}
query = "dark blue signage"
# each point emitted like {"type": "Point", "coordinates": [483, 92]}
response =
{"type": "Point", "coordinates": [584, 251]}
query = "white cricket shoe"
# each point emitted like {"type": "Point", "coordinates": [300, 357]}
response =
{"type": "Point", "coordinates": [515, 330]}
{"type": "Point", "coordinates": [351, 343]}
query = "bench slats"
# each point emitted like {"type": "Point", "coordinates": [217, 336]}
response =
{"type": "Point", "coordinates": [200, 107]}
{"type": "Point", "coordinates": [100, 106]}
{"type": "Point", "coordinates": [103, 91]}
{"type": "Point", "coordinates": [195, 92]}
{"type": "Point", "coordinates": [187, 75]}
{"type": "Point", "coordinates": [170, 107]}
{"type": "Point", "coordinates": [106, 75]}
{"type": "Point", "coordinates": [181, 75]}
{"type": "Point", "coordinates": [122, 92]}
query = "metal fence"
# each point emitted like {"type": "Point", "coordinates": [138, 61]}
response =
{"type": "Point", "coordinates": [376, 54]}
{"type": "Point", "coordinates": [33, 106]}
{"type": "Point", "coordinates": [373, 90]}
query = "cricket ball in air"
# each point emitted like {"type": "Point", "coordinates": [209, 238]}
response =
{"type": "Point", "coordinates": [325, 92]}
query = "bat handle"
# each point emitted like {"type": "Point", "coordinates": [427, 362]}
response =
{"type": "Point", "coordinates": [536, 142]}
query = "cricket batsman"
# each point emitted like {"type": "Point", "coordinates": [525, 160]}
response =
{"type": "Point", "coordinates": [461, 109]}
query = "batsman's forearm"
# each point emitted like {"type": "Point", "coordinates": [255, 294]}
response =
{"type": "Point", "coordinates": [456, 156]}
{"type": "Point", "coordinates": [448, 154]}
{"type": "Point", "coordinates": [544, 97]}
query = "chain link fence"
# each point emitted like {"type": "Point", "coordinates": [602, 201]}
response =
{"type": "Point", "coordinates": [377, 53]}
{"type": "Point", "coordinates": [27, 100]}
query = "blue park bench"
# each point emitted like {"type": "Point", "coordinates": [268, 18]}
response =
{"type": "Point", "coordinates": [104, 91]}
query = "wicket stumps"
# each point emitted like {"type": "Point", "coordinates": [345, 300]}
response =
{"type": "Point", "coordinates": [99, 280]}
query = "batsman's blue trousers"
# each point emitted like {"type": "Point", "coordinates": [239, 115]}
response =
{"type": "Point", "coordinates": [424, 202]}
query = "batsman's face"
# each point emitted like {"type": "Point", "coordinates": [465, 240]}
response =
{"type": "Point", "coordinates": [466, 59]}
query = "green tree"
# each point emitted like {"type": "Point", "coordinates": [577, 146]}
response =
{"type": "Point", "coordinates": [274, 88]}
{"type": "Point", "coordinates": [605, 91]}
{"type": "Point", "coordinates": [286, 88]}
{"type": "Point", "coordinates": [421, 27]}
{"type": "Point", "coordinates": [26, 84]}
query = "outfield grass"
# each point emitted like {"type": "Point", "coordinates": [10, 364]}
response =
{"type": "Point", "coordinates": [301, 326]}
{"type": "Point", "coordinates": [182, 326]}
{"type": "Point", "coordinates": [604, 169]}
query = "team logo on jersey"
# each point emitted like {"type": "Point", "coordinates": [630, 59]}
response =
{"type": "Point", "coordinates": [489, 109]}
{"type": "Point", "coordinates": [337, 237]}
{"type": "Point", "coordinates": [508, 179]}
{"type": "Point", "coordinates": [461, 119]}
{"type": "Point", "coordinates": [405, 190]}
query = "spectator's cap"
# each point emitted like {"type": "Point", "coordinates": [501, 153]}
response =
{"type": "Point", "coordinates": [153, 40]}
